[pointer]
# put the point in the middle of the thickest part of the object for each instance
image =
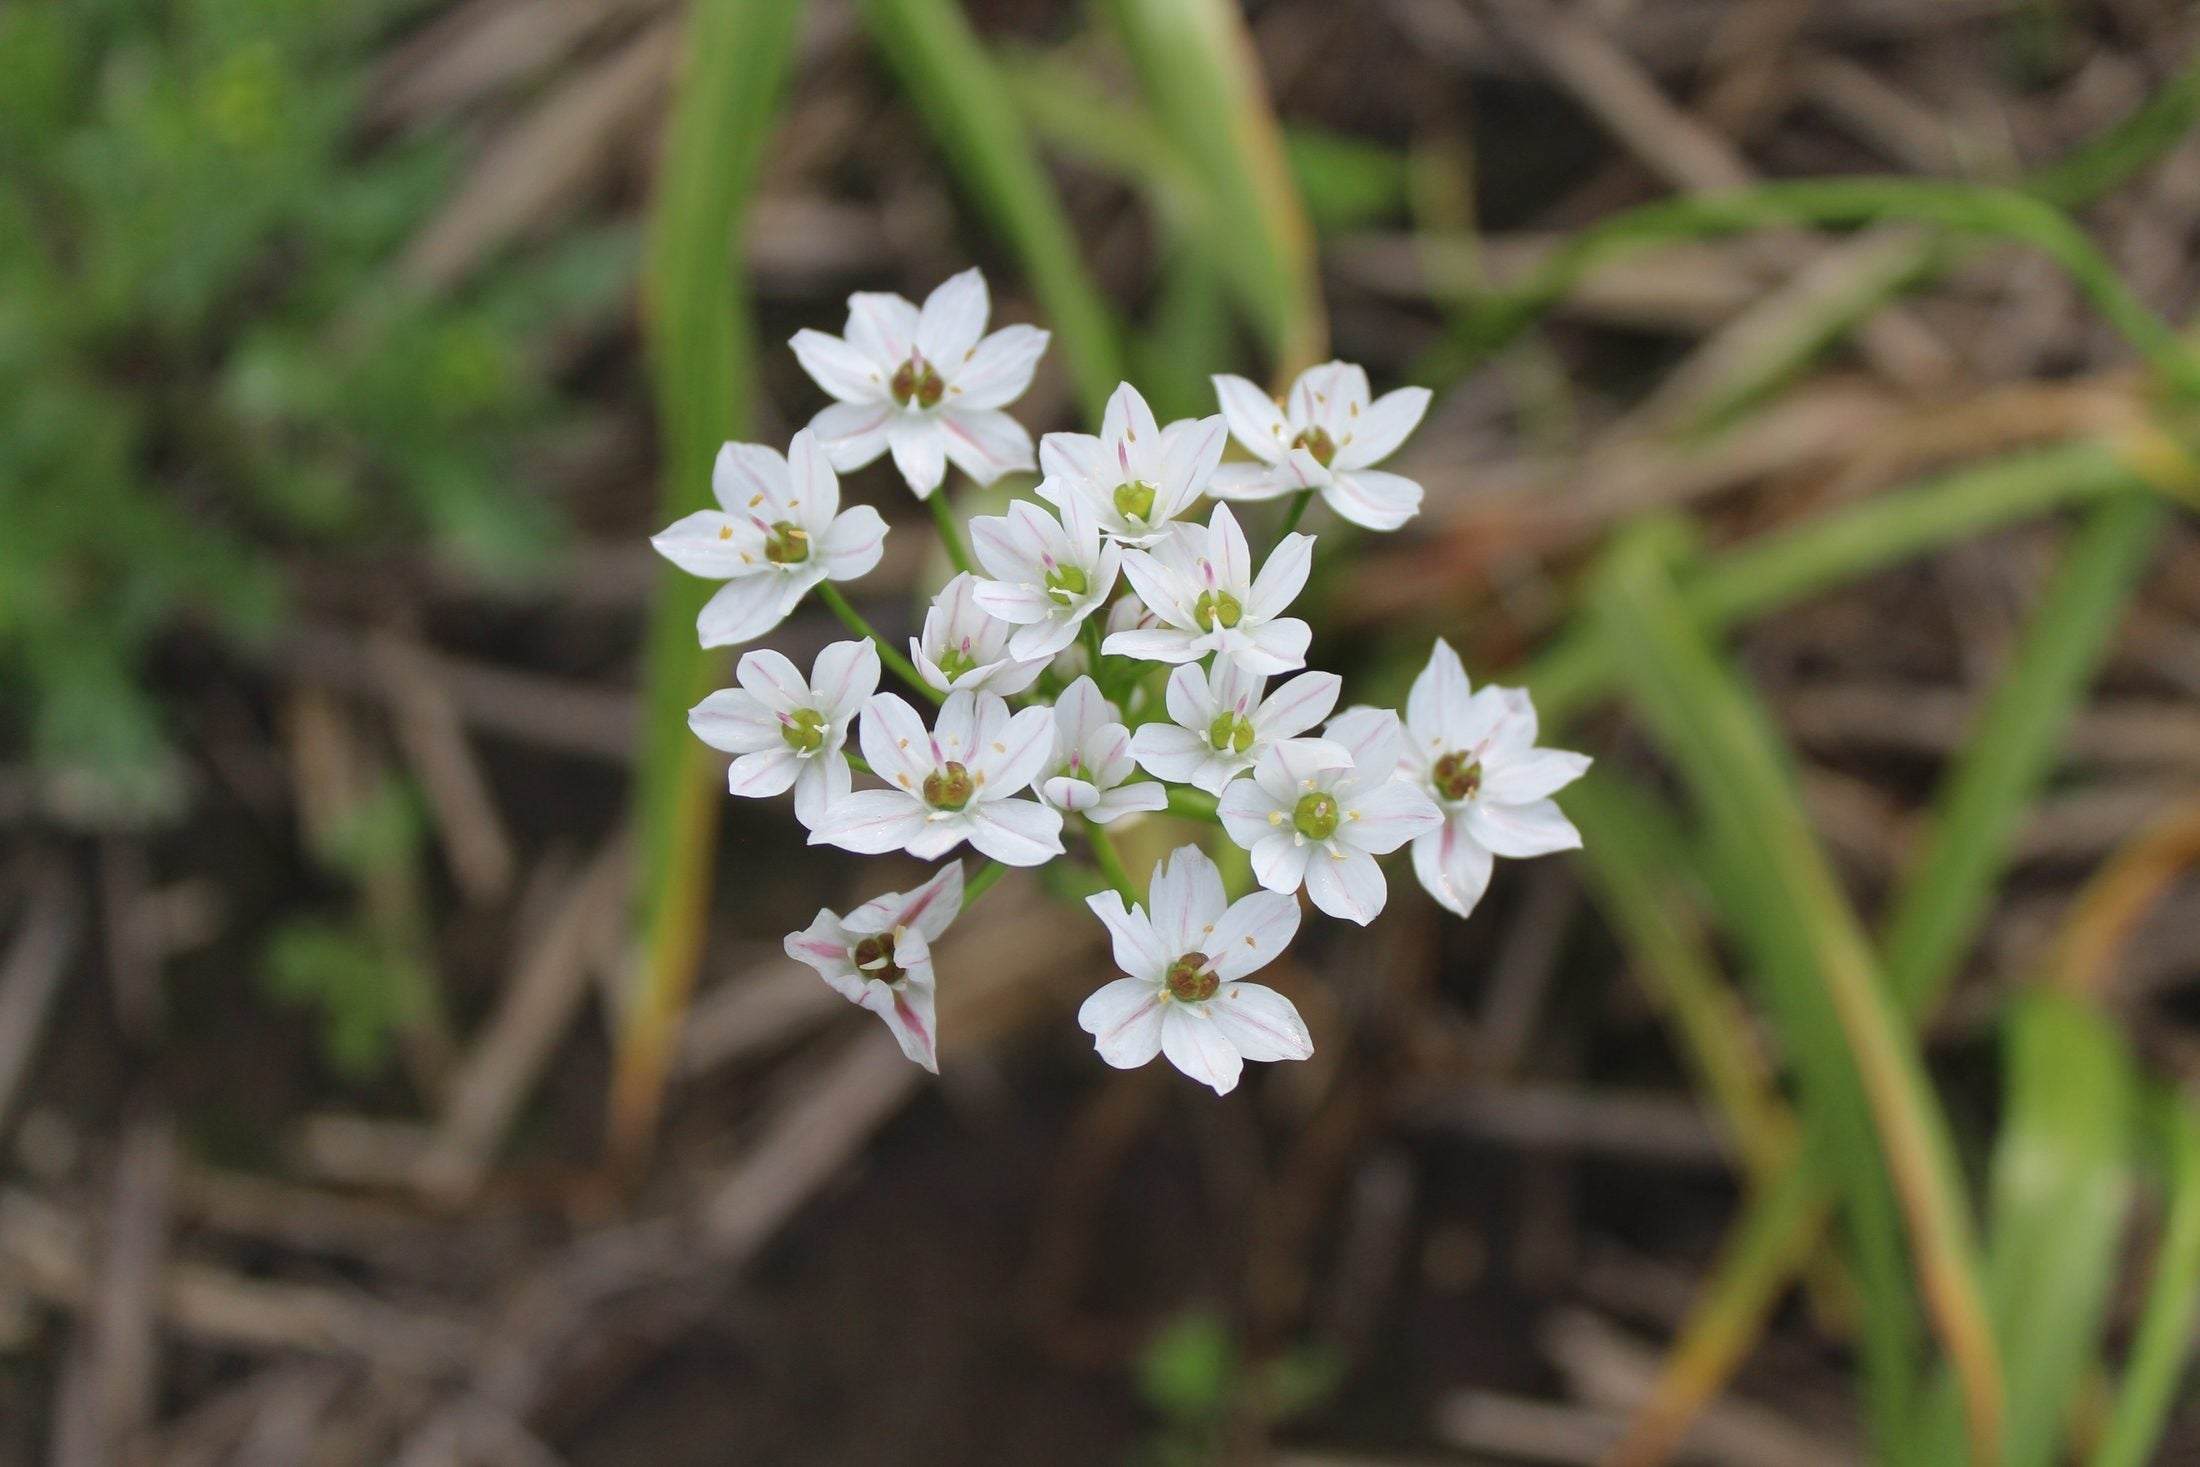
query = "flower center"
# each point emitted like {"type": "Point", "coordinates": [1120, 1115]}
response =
{"type": "Point", "coordinates": [788, 544]}
{"type": "Point", "coordinates": [1458, 776]}
{"type": "Point", "coordinates": [1231, 732]}
{"type": "Point", "coordinates": [874, 958]}
{"type": "Point", "coordinates": [1316, 440]}
{"type": "Point", "coordinates": [954, 662]}
{"type": "Point", "coordinates": [1191, 979]}
{"type": "Point", "coordinates": [916, 381]}
{"type": "Point", "coordinates": [804, 730]}
{"type": "Point", "coordinates": [1216, 609]}
{"type": "Point", "coordinates": [1134, 501]}
{"type": "Point", "coordinates": [949, 787]}
{"type": "Point", "coordinates": [1315, 816]}
{"type": "Point", "coordinates": [1065, 583]}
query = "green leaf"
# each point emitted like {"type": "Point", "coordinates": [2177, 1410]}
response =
{"type": "Point", "coordinates": [2164, 1344]}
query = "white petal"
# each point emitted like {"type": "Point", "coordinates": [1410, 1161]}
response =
{"type": "Point", "coordinates": [1155, 644]}
{"type": "Point", "coordinates": [824, 780]}
{"type": "Point", "coordinates": [1016, 832]}
{"type": "Point", "coordinates": [895, 742]}
{"type": "Point", "coordinates": [1381, 819]}
{"type": "Point", "coordinates": [1163, 592]}
{"type": "Point", "coordinates": [1346, 883]}
{"type": "Point", "coordinates": [1530, 775]}
{"type": "Point", "coordinates": [1128, 799]}
{"type": "Point", "coordinates": [1124, 1019]}
{"type": "Point", "coordinates": [1437, 709]}
{"type": "Point", "coordinates": [940, 835]}
{"type": "Point", "coordinates": [1012, 602]}
{"type": "Point", "coordinates": [1187, 698]}
{"type": "Point", "coordinates": [963, 719]}
{"type": "Point", "coordinates": [1190, 452]}
{"type": "Point", "coordinates": [1226, 548]}
{"type": "Point", "coordinates": [918, 452]}
{"type": "Point", "coordinates": [1079, 713]}
{"type": "Point", "coordinates": [1040, 641]}
{"type": "Point", "coordinates": [1255, 420]}
{"type": "Point", "coordinates": [871, 822]}
{"type": "Point", "coordinates": [1079, 458]}
{"type": "Point", "coordinates": [749, 479]}
{"type": "Point", "coordinates": [772, 680]}
{"type": "Point", "coordinates": [1374, 499]}
{"type": "Point", "coordinates": [853, 434]}
{"type": "Point", "coordinates": [823, 945]}
{"type": "Point", "coordinates": [1245, 807]}
{"type": "Point", "coordinates": [1014, 759]}
{"type": "Point", "coordinates": [1281, 861]}
{"type": "Point", "coordinates": [1293, 766]}
{"type": "Point", "coordinates": [1070, 796]}
{"type": "Point", "coordinates": [1252, 932]}
{"type": "Point", "coordinates": [708, 543]}
{"type": "Point", "coordinates": [909, 1015]}
{"type": "Point", "coordinates": [1194, 1045]}
{"type": "Point", "coordinates": [953, 318]}
{"type": "Point", "coordinates": [985, 443]}
{"type": "Point", "coordinates": [1377, 432]}
{"type": "Point", "coordinates": [1282, 578]}
{"type": "Point", "coordinates": [998, 369]}
{"type": "Point", "coordinates": [763, 774]}
{"type": "Point", "coordinates": [927, 909]}
{"type": "Point", "coordinates": [839, 368]}
{"type": "Point", "coordinates": [1452, 866]}
{"type": "Point", "coordinates": [882, 326]}
{"type": "Point", "coordinates": [1274, 646]}
{"type": "Point", "coordinates": [1167, 751]}
{"type": "Point", "coordinates": [813, 497]}
{"type": "Point", "coordinates": [1517, 831]}
{"type": "Point", "coordinates": [1260, 1023]}
{"type": "Point", "coordinates": [1187, 898]}
{"type": "Point", "coordinates": [1297, 705]}
{"type": "Point", "coordinates": [742, 610]}
{"type": "Point", "coordinates": [736, 722]}
{"type": "Point", "coordinates": [1246, 483]}
{"type": "Point", "coordinates": [1138, 949]}
{"type": "Point", "coordinates": [844, 674]}
{"type": "Point", "coordinates": [1373, 737]}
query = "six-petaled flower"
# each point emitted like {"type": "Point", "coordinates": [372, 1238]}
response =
{"type": "Point", "coordinates": [966, 647]}
{"type": "Point", "coordinates": [1047, 576]}
{"type": "Point", "coordinates": [1221, 724]}
{"type": "Point", "coordinates": [1137, 476]}
{"type": "Point", "coordinates": [879, 957]}
{"type": "Point", "coordinates": [1199, 585]}
{"type": "Point", "coordinates": [1326, 435]}
{"type": "Point", "coordinates": [788, 731]}
{"type": "Point", "coordinates": [1092, 759]}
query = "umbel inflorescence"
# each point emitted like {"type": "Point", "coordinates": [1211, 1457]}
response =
{"type": "Point", "coordinates": [1110, 654]}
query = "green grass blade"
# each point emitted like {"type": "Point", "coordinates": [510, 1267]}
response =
{"type": "Point", "coordinates": [966, 101]}
{"type": "Point", "coordinates": [2058, 1191]}
{"type": "Point", "coordinates": [701, 349]}
{"type": "Point", "coordinates": [1867, 1103]}
{"type": "Point", "coordinates": [2164, 1345]}
{"type": "Point", "coordinates": [1940, 907]}
{"type": "Point", "coordinates": [1791, 565]}
{"type": "Point", "coordinates": [1202, 81]}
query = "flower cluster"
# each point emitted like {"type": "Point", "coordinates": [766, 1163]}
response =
{"type": "Point", "coordinates": [1109, 655]}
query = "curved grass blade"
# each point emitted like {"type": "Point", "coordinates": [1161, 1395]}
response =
{"type": "Point", "coordinates": [963, 96]}
{"type": "Point", "coordinates": [700, 350]}
{"type": "Point", "coordinates": [2166, 1336]}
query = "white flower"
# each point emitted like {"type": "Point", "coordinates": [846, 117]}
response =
{"type": "Point", "coordinates": [1326, 435]}
{"type": "Point", "coordinates": [1319, 812]}
{"type": "Point", "coordinates": [1223, 725]}
{"type": "Point", "coordinates": [1475, 753]}
{"type": "Point", "coordinates": [1184, 997]}
{"type": "Point", "coordinates": [788, 731]}
{"type": "Point", "coordinates": [1137, 476]}
{"type": "Point", "coordinates": [780, 530]}
{"type": "Point", "coordinates": [1199, 582]}
{"type": "Point", "coordinates": [954, 784]}
{"type": "Point", "coordinates": [965, 647]}
{"type": "Point", "coordinates": [924, 385]}
{"type": "Point", "coordinates": [880, 957]}
{"type": "Point", "coordinates": [1047, 577]}
{"type": "Point", "coordinates": [1092, 758]}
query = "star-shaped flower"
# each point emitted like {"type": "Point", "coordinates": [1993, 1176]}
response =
{"type": "Point", "coordinates": [879, 957]}
{"type": "Point", "coordinates": [966, 647]}
{"type": "Point", "coordinates": [1185, 996]}
{"type": "Point", "coordinates": [788, 731]}
{"type": "Point", "coordinates": [1325, 435]}
{"type": "Point", "coordinates": [1222, 724]}
{"type": "Point", "coordinates": [926, 385]}
{"type": "Point", "coordinates": [1137, 476]}
{"type": "Point", "coordinates": [1474, 752]}
{"type": "Point", "coordinates": [779, 531]}
{"type": "Point", "coordinates": [1047, 577]}
{"type": "Point", "coordinates": [1092, 758]}
{"type": "Point", "coordinates": [959, 782]}
{"type": "Point", "coordinates": [1199, 583]}
{"type": "Point", "coordinates": [1317, 812]}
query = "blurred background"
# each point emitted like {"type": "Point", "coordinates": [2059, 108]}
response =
{"type": "Point", "coordinates": [397, 1058]}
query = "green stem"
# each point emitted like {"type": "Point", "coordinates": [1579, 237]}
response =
{"type": "Point", "coordinates": [951, 540]}
{"type": "Point", "coordinates": [1190, 804]}
{"type": "Point", "coordinates": [1110, 863]}
{"type": "Point", "coordinates": [1296, 512]}
{"type": "Point", "coordinates": [853, 620]}
{"type": "Point", "coordinates": [978, 885]}
{"type": "Point", "coordinates": [1090, 631]}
